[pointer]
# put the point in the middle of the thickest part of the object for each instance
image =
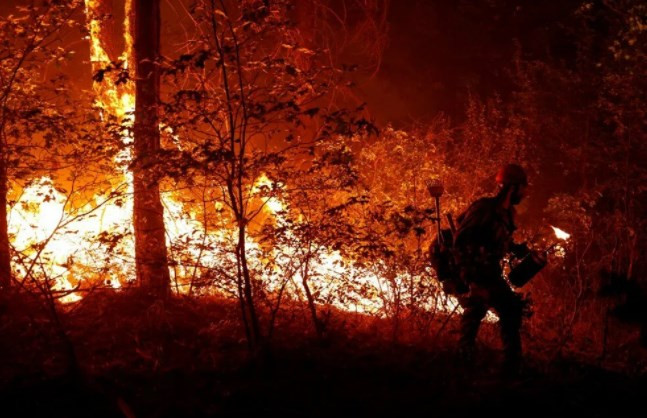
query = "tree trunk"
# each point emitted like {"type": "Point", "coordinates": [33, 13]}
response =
{"type": "Point", "coordinates": [248, 293]}
{"type": "Point", "coordinates": [311, 300]}
{"type": "Point", "coordinates": [5, 257]}
{"type": "Point", "coordinates": [150, 239]}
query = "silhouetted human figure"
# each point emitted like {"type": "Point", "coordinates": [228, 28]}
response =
{"type": "Point", "coordinates": [483, 238]}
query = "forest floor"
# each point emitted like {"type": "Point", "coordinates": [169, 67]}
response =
{"type": "Point", "coordinates": [189, 358]}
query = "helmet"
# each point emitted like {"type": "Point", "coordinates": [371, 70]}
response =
{"type": "Point", "coordinates": [511, 174]}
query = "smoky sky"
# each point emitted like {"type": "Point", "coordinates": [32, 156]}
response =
{"type": "Point", "coordinates": [440, 51]}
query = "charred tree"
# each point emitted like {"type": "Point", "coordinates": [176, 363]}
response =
{"type": "Point", "coordinates": [150, 239]}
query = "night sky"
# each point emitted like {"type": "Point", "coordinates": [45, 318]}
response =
{"type": "Point", "coordinates": [440, 51]}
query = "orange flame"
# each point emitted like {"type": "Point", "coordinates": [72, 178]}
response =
{"type": "Point", "coordinates": [116, 100]}
{"type": "Point", "coordinates": [561, 234]}
{"type": "Point", "coordinates": [33, 221]}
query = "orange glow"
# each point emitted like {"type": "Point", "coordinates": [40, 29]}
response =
{"type": "Point", "coordinates": [72, 255]}
{"type": "Point", "coordinates": [45, 230]}
{"type": "Point", "coordinates": [272, 204]}
{"type": "Point", "coordinates": [560, 234]}
{"type": "Point", "coordinates": [115, 100]}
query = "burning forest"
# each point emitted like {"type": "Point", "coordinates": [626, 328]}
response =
{"type": "Point", "coordinates": [322, 207]}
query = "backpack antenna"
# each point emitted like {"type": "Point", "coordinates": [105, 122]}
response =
{"type": "Point", "coordinates": [436, 189]}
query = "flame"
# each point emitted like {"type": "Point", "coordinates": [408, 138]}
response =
{"type": "Point", "coordinates": [42, 228]}
{"type": "Point", "coordinates": [74, 253]}
{"type": "Point", "coordinates": [64, 250]}
{"type": "Point", "coordinates": [71, 253]}
{"type": "Point", "coordinates": [117, 100]}
{"type": "Point", "coordinates": [273, 205]}
{"type": "Point", "coordinates": [329, 269]}
{"type": "Point", "coordinates": [561, 234]}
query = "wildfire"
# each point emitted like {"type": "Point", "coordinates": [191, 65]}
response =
{"type": "Point", "coordinates": [63, 250]}
{"type": "Point", "coordinates": [273, 204]}
{"type": "Point", "coordinates": [57, 245]}
{"type": "Point", "coordinates": [118, 100]}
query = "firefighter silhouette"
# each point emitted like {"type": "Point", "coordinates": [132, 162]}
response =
{"type": "Point", "coordinates": [482, 240]}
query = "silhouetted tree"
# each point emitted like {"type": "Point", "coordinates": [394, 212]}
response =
{"type": "Point", "coordinates": [150, 238]}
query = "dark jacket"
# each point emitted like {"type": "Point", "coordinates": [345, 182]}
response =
{"type": "Point", "coordinates": [483, 238]}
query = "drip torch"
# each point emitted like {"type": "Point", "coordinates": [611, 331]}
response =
{"type": "Point", "coordinates": [534, 261]}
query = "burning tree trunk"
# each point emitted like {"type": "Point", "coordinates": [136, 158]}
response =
{"type": "Point", "coordinates": [150, 239]}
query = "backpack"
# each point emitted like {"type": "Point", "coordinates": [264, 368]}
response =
{"type": "Point", "coordinates": [441, 256]}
